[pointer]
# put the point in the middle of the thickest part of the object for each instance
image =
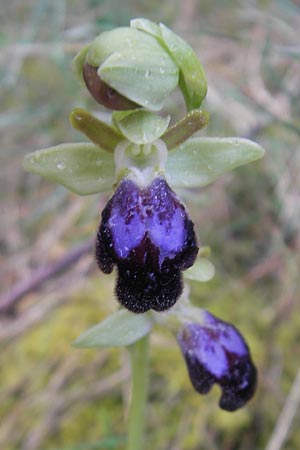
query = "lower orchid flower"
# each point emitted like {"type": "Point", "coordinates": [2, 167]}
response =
{"type": "Point", "coordinates": [215, 352]}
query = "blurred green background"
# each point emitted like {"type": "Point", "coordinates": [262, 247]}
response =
{"type": "Point", "coordinates": [53, 396]}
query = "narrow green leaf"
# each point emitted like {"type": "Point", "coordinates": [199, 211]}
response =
{"type": "Point", "coordinates": [202, 270]}
{"type": "Point", "coordinates": [141, 127]}
{"type": "Point", "coordinates": [120, 329]}
{"type": "Point", "coordinates": [81, 167]}
{"type": "Point", "coordinates": [200, 161]}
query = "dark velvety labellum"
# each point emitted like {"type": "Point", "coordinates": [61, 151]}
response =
{"type": "Point", "coordinates": [148, 235]}
{"type": "Point", "coordinates": [215, 352]}
{"type": "Point", "coordinates": [103, 93]}
{"type": "Point", "coordinates": [240, 386]}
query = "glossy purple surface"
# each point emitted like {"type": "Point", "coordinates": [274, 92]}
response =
{"type": "Point", "coordinates": [154, 212]}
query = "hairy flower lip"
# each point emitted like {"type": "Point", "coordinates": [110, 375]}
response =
{"type": "Point", "coordinates": [148, 235]}
{"type": "Point", "coordinates": [216, 352]}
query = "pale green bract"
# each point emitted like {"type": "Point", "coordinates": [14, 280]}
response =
{"type": "Point", "coordinates": [201, 270]}
{"type": "Point", "coordinates": [120, 329]}
{"type": "Point", "coordinates": [87, 169]}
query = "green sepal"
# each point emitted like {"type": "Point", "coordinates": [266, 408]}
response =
{"type": "Point", "coordinates": [139, 126]}
{"type": "Point", "coordinates": [116, 41]}
{"type": "Point", "coordinates": [192, 80]}
{"type": "Point", "coordinates": [202, 270]}
{"type": "Point", "coordinates": [97, 131]}
{"type": "Point", "coordinates": [145, 76]}
{"type": "Point", "coordinates": [194, 121]}
{"type": "Point", "coordinates": [147, 26]}
{"type": "Point", "coordinates": [200, 161]}
{"type": "Point", "coordinates": [120, 329]}
{"type": "Point", "coordinates": [81, 167]}
{"type": "Point", "coordinates": [78, 62]}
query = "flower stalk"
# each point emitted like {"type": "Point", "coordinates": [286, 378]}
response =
{"type": "Point", "coordinates": [139, 357]}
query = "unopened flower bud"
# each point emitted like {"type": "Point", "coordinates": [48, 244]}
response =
{"type": "Point", "coordinates": [102, 93]}
{"type": "Point", "coordinates": [139, 66]}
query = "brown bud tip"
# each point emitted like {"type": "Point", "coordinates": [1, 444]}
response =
{"type": "Point", "coordinates": [104, 94]}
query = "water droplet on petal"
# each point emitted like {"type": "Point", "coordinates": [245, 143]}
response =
{"type": "Point", "coordinates": [61, 165]}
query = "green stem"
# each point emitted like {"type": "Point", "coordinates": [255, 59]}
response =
{"type": "Point", "coordinates": [139, 355]}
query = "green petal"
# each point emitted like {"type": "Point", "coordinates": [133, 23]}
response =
{"type": "Point", "coordinates": [185, 128]}
{"type": "Point", "coordinates": [120, 329]}
{"type": "Point", "coordinates": [146, 77]}
{"type": "Point", "coordinates": [141, 127]}
{"type": "Point", "coordinates": [202, 270]}
{"type": "Point", "coordinates": [200, 161]}
{"type": "Point", "coordinates": [97, 131]}
{"type": "Point", "coordinates": [81, 167]}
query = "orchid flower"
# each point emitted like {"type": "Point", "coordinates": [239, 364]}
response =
{"type": "Point", "coordinates": [145, 229]}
